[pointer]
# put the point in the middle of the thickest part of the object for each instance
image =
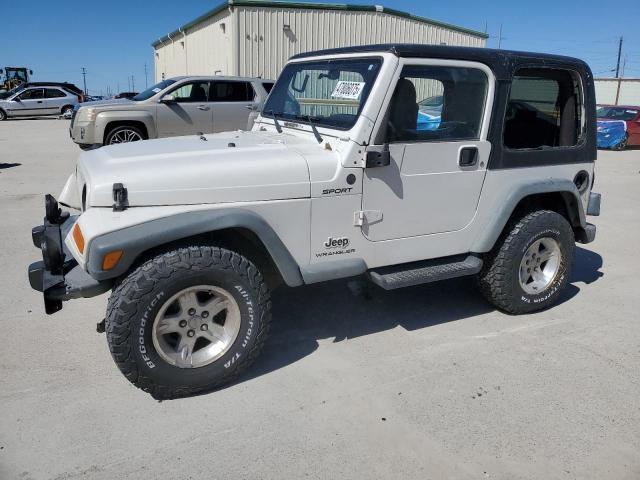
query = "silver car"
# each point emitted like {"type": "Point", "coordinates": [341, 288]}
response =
{"type": "Point", "coordinates": [175, 106]}
{"type": "Point", "coordinates": [37, 101]}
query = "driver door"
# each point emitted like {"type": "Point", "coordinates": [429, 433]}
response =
{"type": "Point", "coordinates": [438, 159]}
{"type": "Point", "coordinates": [190, 112]}
{"type": "Point", "coordinates": [29, 102]}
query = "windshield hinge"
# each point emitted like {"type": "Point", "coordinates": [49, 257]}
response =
{"type": "Point", "coordinates": [367, 216]}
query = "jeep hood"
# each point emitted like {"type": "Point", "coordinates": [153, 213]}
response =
{"type": "Point", "coordinates": [226, 167]}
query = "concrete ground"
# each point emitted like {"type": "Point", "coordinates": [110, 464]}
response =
{"type": "Point", "coordinates": [354, 383]}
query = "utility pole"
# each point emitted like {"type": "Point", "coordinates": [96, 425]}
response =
{"type": "Point", "coordinates": [500, 37]}
{"type": "Point", "coordinates": [84, 80]}
{"type": "Point", "coordinates": [146, 85]}
{"type": "Point", "coordinates": [624, 64]}
{"type": "Point", "coordinates": [618, 63]}
{"type": "Point", "coordinates": [133, 84]}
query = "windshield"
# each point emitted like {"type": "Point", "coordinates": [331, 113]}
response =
{"type": "Point", "coordinates": [330, 93]}
{"type": "Point", "coordinates": [616, 113]}
{"type": "Point", "coordinates": [150, 92]}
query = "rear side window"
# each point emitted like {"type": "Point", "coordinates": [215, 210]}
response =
{"type": "Point", "coordinates": [232, 92]}
{"type": "Point", "coordinates": [544, 109]}
{"type": "Point", "coordinates": [437, 103]}
{"type": "Point", "coordinates": [54, 93]}
{"type": "Point", "coordinates": [267, 86]}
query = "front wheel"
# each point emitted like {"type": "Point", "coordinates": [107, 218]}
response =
{"type": "Point", "coordinates": [3, 115]}
{"type": "Point", "coordinates": [188, 321]}
{"type": "Point", "coordinates": [531, 263]}
{"type": "Point", "coordinates": [123, 134]}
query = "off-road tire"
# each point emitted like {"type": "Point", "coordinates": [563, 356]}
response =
{"type": "Point", "coordinates": [135, 301]}
{"type": "Point", "coordinates": [3, 115]}
{"type": "Point", "coordinates": [499, 279]}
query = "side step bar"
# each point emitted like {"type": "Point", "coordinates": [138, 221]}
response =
{"type": "Point", "coordinates": [425, 271]}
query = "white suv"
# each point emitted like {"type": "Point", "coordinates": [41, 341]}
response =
{"type": "Point", "coordinates": [340, 176]}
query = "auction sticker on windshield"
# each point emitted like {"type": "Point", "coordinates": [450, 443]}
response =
{"type": "Point", "coordinates": [348, 90]}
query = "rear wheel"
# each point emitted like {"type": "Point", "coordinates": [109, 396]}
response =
{"type": "Point", "coordinates": [531, 263]}
{"type": "Point", "coordinates": [188, 321]}
{"type": "Point", "coordinates": [124, 134]}
{"type": "Point", "coordinates": [67, 110]}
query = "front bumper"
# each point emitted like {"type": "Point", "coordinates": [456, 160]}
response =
{"type": "Point", "coordinates": [82, 133]}
{"type": "Point", "coordinates": [58, 276]}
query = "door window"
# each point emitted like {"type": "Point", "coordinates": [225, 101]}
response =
{"type": "Point", "coordinates": [437, 103]}
{"type": "Point", "coordinates": [232, 92]}
{"type": "Point", "coordinates": [33, 94]}
{"type": "Point", "coordinates": [54, 93]}
{"type": "Point", "coordinates": [544, 109]}
{"type": "Point", "coordinates": [191, 92]}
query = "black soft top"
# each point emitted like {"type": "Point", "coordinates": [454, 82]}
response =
{"type": "Point", "coordinates": [504, 64]}
{"type": "Point", "coordinates": [501, 62]}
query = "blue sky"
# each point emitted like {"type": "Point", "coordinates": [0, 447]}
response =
{"type": "Point", "coordinates": [112, 39]}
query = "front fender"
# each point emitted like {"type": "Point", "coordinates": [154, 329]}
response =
{"type": "Point", "coordinates": [503, 208]}
{"type": "Point", "coordinates": [103, 119]}
{"type": "Point", "coordinates": [137, 239]}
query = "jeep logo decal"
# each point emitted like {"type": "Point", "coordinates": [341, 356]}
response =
{"type": "Point", "coordinates": [341, 242]}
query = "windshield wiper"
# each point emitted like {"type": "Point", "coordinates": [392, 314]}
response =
{"type": "Point", "coordinates": [275, 121]}
{"type": "Point", "coordinates": [309, 119]}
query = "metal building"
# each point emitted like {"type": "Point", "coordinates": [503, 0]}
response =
{"type": "Point", "coordinates": [617, 91]}
{"type": "Point", "coordinates": [256, 38]}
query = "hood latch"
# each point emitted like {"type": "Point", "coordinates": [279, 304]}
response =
{"type": "Point", "coordinates": [120, 197]}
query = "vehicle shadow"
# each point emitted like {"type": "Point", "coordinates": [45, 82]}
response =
{"type": "Point", "coordinates": [347, 309]}
{"type": "Point", "coordinates": [9, 165]}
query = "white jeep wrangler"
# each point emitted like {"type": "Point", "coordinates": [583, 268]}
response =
{"type": "Point", "coordinates": [405, 163]}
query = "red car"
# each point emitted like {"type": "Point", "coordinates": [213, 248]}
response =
{"type": "Point", "coordinates": [629, 114]}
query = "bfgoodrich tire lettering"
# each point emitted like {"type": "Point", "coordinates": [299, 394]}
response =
{"type": "Point", "coordinates": [500, 279]}
{"type": "Point", "coordinates": [136, 301]}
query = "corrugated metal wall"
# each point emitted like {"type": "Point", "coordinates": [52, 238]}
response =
{"type": "Point", "coordinates": [259, 44]}
{"type": "Point", "coordinates": [205, 49]}
{"type": "Point", "coordinates": [265, 45]}
{"type": "Point", "coordinates": [627, 91]}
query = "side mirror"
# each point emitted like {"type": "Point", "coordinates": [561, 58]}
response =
{"type": "Point", "coordinates": [377, 158]}
{"type": "Point", "coordinates": [168, 99]}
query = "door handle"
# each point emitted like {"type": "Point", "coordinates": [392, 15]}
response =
{"type": "Point", "coordinates": [202, 107]}
{"type": "Point", "coordinates": [39, 101]}
{"type": "Point", "coordinates": [468, 157]}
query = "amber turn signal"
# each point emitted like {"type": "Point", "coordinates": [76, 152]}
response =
{"type": "Point", "coordinates": [78, 238]}
{"type": "Point", "coordinates": [111, 259]}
